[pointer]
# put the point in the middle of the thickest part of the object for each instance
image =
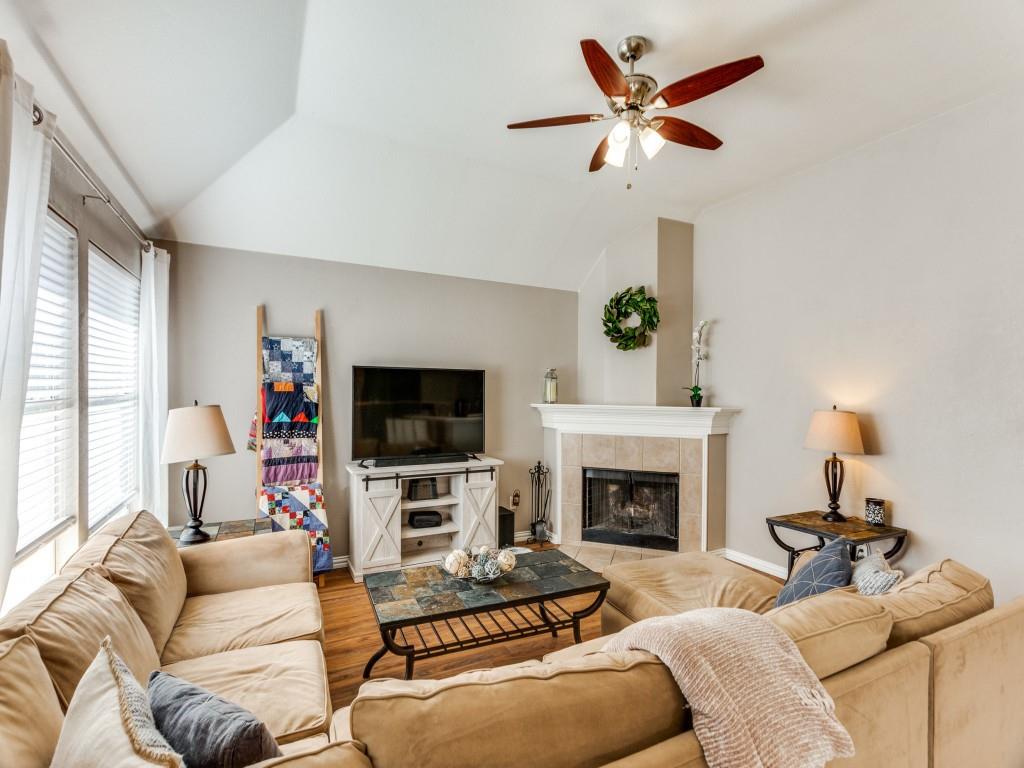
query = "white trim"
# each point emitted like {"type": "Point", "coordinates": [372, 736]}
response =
{"type": "Point", "coordinates": [649, 420]}
{"type": "Point", "coordinates": [779, 571]}
{"type": "Point", "coordinates": [341, 561]}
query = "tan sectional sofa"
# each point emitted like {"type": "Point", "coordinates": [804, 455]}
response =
{"type": "Point", "coordinates": [928, 675]}
{"type": "Point", "coordinates": [241, 618]}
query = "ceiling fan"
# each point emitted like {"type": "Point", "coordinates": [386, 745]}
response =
{"type": "Point", "coordinates": [631, 96]}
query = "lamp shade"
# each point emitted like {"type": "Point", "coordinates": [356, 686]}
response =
{"type": "Point", "coordinates": [195, 432]}
{"type": "Point", "coordinates": [835, 432]}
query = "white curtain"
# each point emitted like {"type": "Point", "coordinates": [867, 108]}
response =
{"type": "Point", "coordinates": [24, 189]}
{"type": "Point", "coordinates": [156, 268]}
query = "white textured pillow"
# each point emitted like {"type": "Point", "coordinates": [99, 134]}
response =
{"type": "Point", "coordinates": [109, 723]}
{"type": "Point", "coordinates": [874, 576]}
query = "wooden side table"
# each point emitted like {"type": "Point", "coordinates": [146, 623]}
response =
{"type": "Point", "coordinates": [855, 530]}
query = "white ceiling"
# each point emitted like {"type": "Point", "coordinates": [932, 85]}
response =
{"type": "Point", "coordinates": [397, 152]}
{"type": "Point", "coordinates": [179, 89]}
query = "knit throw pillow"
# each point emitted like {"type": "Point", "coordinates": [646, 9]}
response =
{"type": "Point", "coordinates": [874, 576]}
{"type": "Point", "coordinates": [829, 569]}
{"type": "Point", "coordinates": [109, 722]}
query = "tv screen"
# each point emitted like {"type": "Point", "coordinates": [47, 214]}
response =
{"type": "Point", "coordinates": [400, 412]}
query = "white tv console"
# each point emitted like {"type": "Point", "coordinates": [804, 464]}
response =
{"type": "Point", "coordinates": [380, 538]}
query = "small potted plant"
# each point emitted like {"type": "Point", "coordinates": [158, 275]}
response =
{"type": "Point", "coordinates": [696, 396]}
{"type": "Point", "coordinates": [700, 352]}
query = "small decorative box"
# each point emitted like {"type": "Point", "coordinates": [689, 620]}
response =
{"type": "Point", "coordinates": [874, 511]}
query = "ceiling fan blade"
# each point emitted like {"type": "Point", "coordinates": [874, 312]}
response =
{"type": "Point", "coordinates": [682, 132]}
{"type": "Point", "coordinates": [597, 161]}
{"type": "Point", "coordinates": [545, 122]}
{"type": "Point", "coordinates": [606, 73]}
{"type": "Point", "coordinates": [710, 80]}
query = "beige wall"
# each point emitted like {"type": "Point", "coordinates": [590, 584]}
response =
{"type": "Point", "coordinates": [372, 316]}
{"type": "Point", "coordinates": [887, 281]}
{"type": "Point", "coordinates": [659, 257]}
{"type": "Point", "coordinates": [675, 305]}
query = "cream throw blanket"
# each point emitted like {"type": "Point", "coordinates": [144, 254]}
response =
{"type": "Point", "coordinates": [755, 702]}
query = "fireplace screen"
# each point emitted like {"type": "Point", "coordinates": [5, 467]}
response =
{"type": "Point", "coordinates": [637, 509]}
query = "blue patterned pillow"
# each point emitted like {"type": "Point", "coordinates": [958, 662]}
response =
{"type": "Point", "coordinates": [828, 569]}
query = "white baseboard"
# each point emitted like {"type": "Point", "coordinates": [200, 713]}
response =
{"type": "Point", "coordinates": [779, 571]}
{"type": "Point", "coordinates": [341, 561]}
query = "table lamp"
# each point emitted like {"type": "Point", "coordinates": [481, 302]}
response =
{"type": "Point", "coordinates": [195, 432]}
{"type": "Point", "coordinates": [837, 432]}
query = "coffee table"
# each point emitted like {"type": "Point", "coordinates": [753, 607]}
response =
{"type": "Point", "coordinates": [424, 612]}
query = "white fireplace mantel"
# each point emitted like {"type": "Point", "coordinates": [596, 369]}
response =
{"type": "Point", "coordinates": [651, 438]}
{"type": "Point", "coordinates": [651, 420]}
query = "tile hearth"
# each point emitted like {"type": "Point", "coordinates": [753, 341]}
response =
{"type": "Point", "coordinates": [599, 556]}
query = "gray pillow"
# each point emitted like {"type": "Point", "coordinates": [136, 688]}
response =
{"type": "Point", "coordinates": [829, 569]}
{"type": "Point", "coordinates": [874, 576]}
{"type": "Point", "coordinates": [208, 731]}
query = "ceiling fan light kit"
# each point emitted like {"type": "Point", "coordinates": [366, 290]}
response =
{"type": "Point", "coordinates": [631, 96]}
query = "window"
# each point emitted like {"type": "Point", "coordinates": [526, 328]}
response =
{"type": "Point", "coordinates": [46, 462]}
{"type": "Point", "coordinates": [113, 363]}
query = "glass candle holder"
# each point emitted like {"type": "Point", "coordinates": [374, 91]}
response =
{"type": "Point", "coordinates": [551, 386]}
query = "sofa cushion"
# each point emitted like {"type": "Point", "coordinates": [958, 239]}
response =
{"type": "Point", "coordinates": [828, 569]}
{"type": "Point", "coordinates": [30, 715]}
{"type": "Point", "coordinates": [142, 560]}
{"type": "Point", "coordinates": [208, 730]}
{"type": "Point", "coordinates": [519, 712]}
{"type": "Point", "coordinates": [578, 650]}
{"type": "Point", "coordinates": [306, 744]}
{"type": "Point", "coordinates": [834, 630]}
{"type": "Point", "coordinates": [331, 755]}
{"type": "Point", "coordinates": [936, 597]}
{"type": "Point", "coordinates": [69, 616]}
{"type": "Point", "coordinates": [667, 585]}
{"type": "Point", "coordinates": [249, 617]}
{"type": "Point", "coordinates": [109, 724]}
{"type": "Point", "coordinates": [284, 685]}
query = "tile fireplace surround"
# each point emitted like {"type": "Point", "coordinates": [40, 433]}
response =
{"type": "Point", "coordinates": [649, 438]}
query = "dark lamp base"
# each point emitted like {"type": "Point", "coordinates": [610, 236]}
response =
{"type": "Point", "coordinates": [834, 517]}
{"type": "Point", "coordinates": [192, 533]}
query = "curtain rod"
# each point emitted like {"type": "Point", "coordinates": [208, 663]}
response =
{"type": "Point", "coordinates": [147, 245]}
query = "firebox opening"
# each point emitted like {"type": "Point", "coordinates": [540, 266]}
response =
{"type": "Point", "coordinates": [635, 509]}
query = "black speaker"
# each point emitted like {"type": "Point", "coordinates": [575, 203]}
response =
{"type": "Point", "coordinates": [506, 527]}
{"type": "Point", "coordinates": [427, 518]}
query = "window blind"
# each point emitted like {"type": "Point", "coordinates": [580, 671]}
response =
{"type": "Point", "coordinates": [46, 458]}
{"type": "Point", "coordinates": [113, 364]}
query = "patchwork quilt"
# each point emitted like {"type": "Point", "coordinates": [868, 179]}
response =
{"type": "Point", "coordinates": [300, 506]}
{"type": "Point", "coordinates": [288, 417]}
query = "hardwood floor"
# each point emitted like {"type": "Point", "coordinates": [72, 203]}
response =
{"type": "Point", "coordinates": [352, 637]}
{"type": "Point", "coordinates": [352, 634]}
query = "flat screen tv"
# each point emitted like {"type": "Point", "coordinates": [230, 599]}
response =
{"type": "Point", "coordinates": [416, 412]}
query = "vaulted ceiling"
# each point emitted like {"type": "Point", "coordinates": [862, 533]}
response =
{"type": "Point", "coordinates": [374, 132]}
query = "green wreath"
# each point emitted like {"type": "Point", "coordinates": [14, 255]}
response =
{"type": "Point", "coordinates": [620, 308]}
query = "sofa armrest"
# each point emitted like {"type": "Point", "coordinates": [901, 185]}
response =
{"type": "Point", "coordinates": [337, 754]}
{"type": "Point", "coordinates": [978, 689]}
{"type": "Point", "coordinates": [682, 751]}
{"type": "Point", "coordinates": [254, 561]}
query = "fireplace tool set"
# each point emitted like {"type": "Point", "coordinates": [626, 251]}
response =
{"type": "Point", "coordinates": [540, 502]}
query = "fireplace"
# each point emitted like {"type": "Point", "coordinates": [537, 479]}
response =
{"type": "Point", "coordinates": [635, 509]}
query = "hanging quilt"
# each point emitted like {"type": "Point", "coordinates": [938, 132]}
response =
{"type": "Point", "coordinates": [300, 506]}
{"type": "Point", "coordinates": [291, 470]}
{"type": "Point", "coordinates": [287, 359]}
{"type": "Point", "coordinates": [288, 418]}
{"type": "Point", "coordinates": [281, 448]}
{"type": "Point", "coordinates": [290, 410]}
